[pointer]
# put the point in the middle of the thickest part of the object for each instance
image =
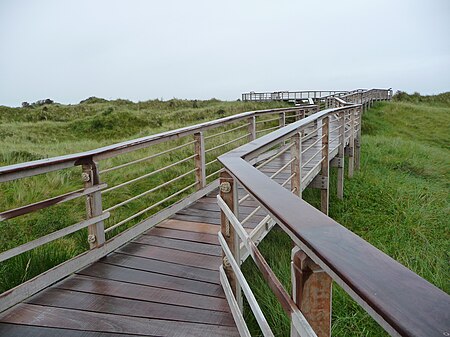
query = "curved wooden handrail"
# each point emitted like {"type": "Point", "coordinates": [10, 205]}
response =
{"type": "Point", "coordinates": [401, 301]}
{"type": "Point", "coordinates": [21, 170]}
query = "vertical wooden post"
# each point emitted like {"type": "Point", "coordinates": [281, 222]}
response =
{"type": "Point", "coordinates": [91, 177]}
{"type": "Point", "coordinates": [228, 192]}
{"type": "Point", "coordinates": [358, 140]}
{"type": "Point", "coordinates": [252, 128]}
{"type": "Point", "coordinates": [296, 165]}
{"type": "Point", "coordinates": [325, 167]}
{"type": "Point", "coordinates": [282, 119]}
{"type": "Point", "coordinates": [199, 159]}
{"type": "Point", "coordinates": [351, 144]}
{"type": "Point", "coordinates": [311, 291]}
{"type": "Point", "coordinates": [340, 157]}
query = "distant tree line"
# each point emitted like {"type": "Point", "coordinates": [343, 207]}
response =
{"type": "Point", "coordinates": [37, 103]}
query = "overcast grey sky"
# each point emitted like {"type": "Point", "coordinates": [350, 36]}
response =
{"type": "Point", "coordinates": [139, 50]}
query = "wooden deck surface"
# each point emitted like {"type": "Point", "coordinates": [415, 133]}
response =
{"type": "Point", "coordinates": [163, 283]}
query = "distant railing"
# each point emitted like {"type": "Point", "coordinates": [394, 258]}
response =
{"type": "Point", "coordinates": [403, 303]}
{"type": "Point", "coordinates": [289, 95]}
{"type": "Point", "coordinates": [128, 187]}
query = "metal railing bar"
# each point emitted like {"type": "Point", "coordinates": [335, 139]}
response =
{"type": "Point", "coordinates": [146, 158]}
{"type": "Point", "coordinates": [51, 237]}
{"type": "Point", "coordinates": [149, 174]}
{"type": "Point", "coordinates": [149, 208]}
{"type": "Point", "coordinates": [268, 120]}
{"type": "Point", "coordinates": [253, 303]}
{"type": "Point", "coordinates": [268, 129]}
{"type": "Point", "coordinates": [211, 162]}
{"type": "Point", "coordinates": [312, 157]}
{"type": "Point", "coordinates": [150, 191]}
{"type": "Point", "coordinates": [315, 142]}
{"type": "Point", "coordinates": [215, 172]}
{"type": "Point", "coordinates": [227, 131]}
{"type": "Point", "coordinates": [227, 143]}
{"type": "Point", "coordinates": [49, 202]}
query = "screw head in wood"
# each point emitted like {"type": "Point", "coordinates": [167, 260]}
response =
{"type": "Point", "coordinates": [92, 238]}
{"type": "Point", "coordinates": [225, 187]}
{"type": "Point", "coordinates": [85, 176]}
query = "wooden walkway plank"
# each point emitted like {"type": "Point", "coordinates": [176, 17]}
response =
{"type": "Point", "coordinates": [70, 299]}
{"type": "Point", "coordinates": [171, 255]}
{"type": "Point", "coordinates": [145, 293]}
{"type": "Point", "coordinates": [45, 316]}
{"type": "Point", "coordinates": [183, 235]}
{"type": "Point", "coordinates": [117, 273]}
{"type": "Point", "coordinates": [162, 267]}
{"type": "Point", "coordinates": [188, 246]}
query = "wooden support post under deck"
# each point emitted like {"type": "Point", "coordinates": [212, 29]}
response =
{"type": "Point", "coordinates": [199, 159]}
{"type": "Point", "coordinates": [351, 144]}
{"type": "Point", "coordinates": [91, 177]}
{"type": "Point", "coordinates": [296, 165]}
{"type": "Point", "coordinates": [325, 167]}
{"type": "Point", "coordinates": [252, 128]}
{"type": "Point", "coordinates": [340, 157]}
{"type": "Point", "coordinates": [228, 192]}
{"type": "Point", "coordinates": [311, 291]}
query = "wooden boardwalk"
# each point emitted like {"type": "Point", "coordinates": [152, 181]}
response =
{"type": "Point", "coordinates": [163, 283]}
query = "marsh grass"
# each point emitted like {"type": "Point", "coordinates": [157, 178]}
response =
{"type": "Point", "coordinates": [398, 201]}
{"type": "Point", "coordinates": [36, 133]}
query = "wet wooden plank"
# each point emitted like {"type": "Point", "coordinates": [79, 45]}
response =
{"type": "Point", "coordinates": [123, 274]}
{"type": "Point", "coordinates": [172, 255]}
{"type": "Point", "coordinates": [162, 267]}
{"type": "Point", "coordinates": [197, 227]}
{"type": "Point", "coordinates": [184, 235]}
{"type": "Point", "coordinates": [14, 330]}
{"type": "Point", "coordinates": [188, 246]}
{"type": "Point", "coordinates": [139, 292]}
{"type": "Point", "coordinates": [196, 218]}
{"type": "Point", "coordinates": [70, 299]}
{"type": "Point", "coordinates": [79, 320]}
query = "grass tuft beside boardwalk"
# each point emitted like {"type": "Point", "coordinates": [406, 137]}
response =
{"type": "Point", "coordinates": [398, 201]}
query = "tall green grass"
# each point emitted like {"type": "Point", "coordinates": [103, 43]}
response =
{"type": "Point", "coordinates": [398, 201]}
{"type": "Point", "coordinates": [50, 130]}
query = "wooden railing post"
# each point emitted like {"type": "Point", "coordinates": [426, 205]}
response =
{"type": "Point", "coordinates": [199, 159]}
{"type": "Point", "coordinates": [252, 128]}
{"type": "Point", "coordinates": [325, 166]}
{"type": "Point", "coordinates": [358, 140]}
{"type": "Point", "coordinates": [296, 165]}
{"type": "Point", "coordinates": [311, 291]}
{"type": "Point", "coordinates": [228, 192]}
{"type": "Point", "coordinates": [340, 157]}
{"type": "Point", "coordinates": [351, 144]}
{"type": "Point", "coordinates": [282, 119]}
{"type": "Point", "coordinates": [91, 177]}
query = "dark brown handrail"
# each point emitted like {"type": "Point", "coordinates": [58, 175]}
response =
{"type": "Point", "coordinates": [401, 301]}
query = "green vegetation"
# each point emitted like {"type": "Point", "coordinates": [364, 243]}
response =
{"type": "Point", "coordinates": [398, 201]}
{"type": "Point", "coordinates": [38, 132]}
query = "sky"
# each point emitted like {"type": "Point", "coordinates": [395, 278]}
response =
{"type": "Point", "coordinates": [144, 49]}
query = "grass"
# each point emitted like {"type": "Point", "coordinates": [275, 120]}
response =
{"type": "Point", "coordinates": [398, 201]}
{"type": "Point", "coordinates": [50, 130]}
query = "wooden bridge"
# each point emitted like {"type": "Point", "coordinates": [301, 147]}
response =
{"type": "Point", "coordinates": [172, 268]}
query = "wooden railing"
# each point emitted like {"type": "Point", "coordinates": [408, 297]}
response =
{"type": "Point", "coordinates": [403, 303]}
{"type": "Point", "coordinates": [128, 187]}
{"type": "Point", "coordinates": [289, 95]}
